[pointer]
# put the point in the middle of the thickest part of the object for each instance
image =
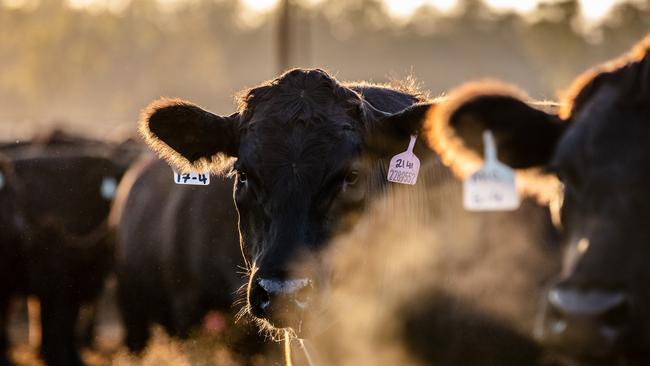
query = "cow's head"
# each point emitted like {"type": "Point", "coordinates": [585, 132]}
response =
{"type": "Point", "coordinates": [295, 144]}
{"type": "Point", "coordinates": [599, 148]}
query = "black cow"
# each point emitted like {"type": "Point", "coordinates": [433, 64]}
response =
{"type": "Point", "coordinates": [10, 259]}
{"type": "Point", "coordinates": [300, 143]}
{"type": "Point", "coordinates": [178, 253]}
{"type": "Point", "coordinates": [63, 249]}
{"type": "Point", "coordinates": [599, 309]}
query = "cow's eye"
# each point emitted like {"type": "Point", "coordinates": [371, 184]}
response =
{"type": "Point", "coordinates": [351, 178]}
{"type": "Point", "coordinates": [242, 178]}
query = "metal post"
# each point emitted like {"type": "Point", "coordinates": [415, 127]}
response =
{"type": "Point", "coordinates": [284, 35]}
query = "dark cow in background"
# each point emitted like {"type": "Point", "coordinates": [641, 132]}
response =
{"type": "Point", "coordinates": [63, 253]}
{"type": "Point", "coordinates": [178, 256]}
{"type": "Point", "coordinates": [11, 274]}
{"type": "Point", "coordinates": [299, 142]}
{"type": "Point", "coordinates": [598, 311]}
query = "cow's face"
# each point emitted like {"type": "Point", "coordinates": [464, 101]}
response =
{"type": "Point", "coordinates": [598, 309]}
{"type": "Point", "coordinates": [298, 143]}
{"type": "Point", "coordinates": [603, 161]}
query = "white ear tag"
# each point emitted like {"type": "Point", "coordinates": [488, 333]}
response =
{"type": "Point", "coordinates": [404, 167]}
{"type": "Point", "coordinates": [108, 188]}
{"type": "Point", "coordinates": [193, 178]}
{"type": "Point", "coordinates": [492, 187]}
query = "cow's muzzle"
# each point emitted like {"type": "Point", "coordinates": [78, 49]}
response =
{"type": "Point", "coordinates": [582, 323]}
{"type": "Point", "coordinates": [281, 302]}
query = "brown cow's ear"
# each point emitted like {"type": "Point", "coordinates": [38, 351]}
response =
{"type": "Point", "coordinates": [189, 137]}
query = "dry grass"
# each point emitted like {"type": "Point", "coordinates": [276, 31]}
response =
{"type": "Point", "coordinates": [200, 350]}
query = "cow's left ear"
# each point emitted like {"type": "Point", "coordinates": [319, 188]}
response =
{"type": "Point", "coordinates": [392, 131]}
{"type": "Point", "coordinates": [189, 137]}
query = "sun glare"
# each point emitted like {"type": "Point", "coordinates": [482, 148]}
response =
{"type": "Point", "coordinates": [16, 3]}
{"type": "Point", "coordinates": [406, 8]}
{"type": "Point", "coordinates": [97, 5]}
{"type": "Point", "coordinates": [593, 11]}
{"type": "Point", "coordinates": [260, 6]}
{"type": "Point", "coordinates": [596, 10]}
{"type": "Point", "coordinates": [520, 6]}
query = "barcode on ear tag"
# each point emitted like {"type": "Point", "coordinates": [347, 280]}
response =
{"type": "Point", "coordinates": [492, 187]}
{"type": "Point", "coordinates": [193, 178]}
{"type": "Point", "coordinates": [404, 167]}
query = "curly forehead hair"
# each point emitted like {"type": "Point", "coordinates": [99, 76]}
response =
{"type": "Point", "coordinates": [298, 94]}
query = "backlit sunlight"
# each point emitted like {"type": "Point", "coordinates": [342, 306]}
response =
{"type": "Point", "coordinates": [596, 10]}
{"type": "Point", "coordinates": [406, 8]}
{"type": "Point", "coordinates": [260, 6]}
{"type": "Point", "coordinates": [521, 6]}
{"type": "Point", "coordinates": [592, 10]}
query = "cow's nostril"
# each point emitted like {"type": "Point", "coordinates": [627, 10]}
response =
{"type": "Point", "coordinates": [265, 298]}
{"type": "Point", "coordinates": [303, 296]}
{"type": "Point", "coordinates": [280, 301]}
{"type": "Point", "coordinates": [259, 300]}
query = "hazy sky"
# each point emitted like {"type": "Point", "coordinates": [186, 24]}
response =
{"type": "Point", "coordinates": [592, 10]}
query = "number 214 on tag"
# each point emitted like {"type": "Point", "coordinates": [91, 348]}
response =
{"type": "Point", "coordinates": [404, 167]}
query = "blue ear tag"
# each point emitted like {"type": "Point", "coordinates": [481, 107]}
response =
{"type": "Point", "coordinates": [192, 178]}
{"type": "Point", "coordinates": [492, 187]}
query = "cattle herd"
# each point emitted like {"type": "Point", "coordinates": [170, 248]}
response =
{"type": "Point", "coordinates": [300, 238]}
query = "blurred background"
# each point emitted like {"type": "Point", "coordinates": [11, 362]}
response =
{"type": "Point", "coordinates": [91, 65]}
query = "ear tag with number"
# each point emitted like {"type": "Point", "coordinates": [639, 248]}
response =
{"type": "Point", "coordinates": [492, 187]}
{"type": "Point", "coordinates": [404, 167]}
{"type": "Point", "coordinates": [193, 178]}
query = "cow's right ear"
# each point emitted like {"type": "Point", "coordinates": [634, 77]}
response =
{"type": "Point", "coordinates": [525, 134]}
{"type": "Point", "coordinates": [189, 137]}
